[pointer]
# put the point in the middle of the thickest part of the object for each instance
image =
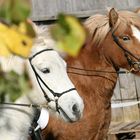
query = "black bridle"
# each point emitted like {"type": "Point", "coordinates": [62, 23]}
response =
{"type": "Point", "coordinates": [134, 65]}
{"type": "Point", "coordinates": [39, 80]}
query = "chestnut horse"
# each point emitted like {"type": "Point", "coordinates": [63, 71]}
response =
{"type": "Point", "coordinates": [113, 43]}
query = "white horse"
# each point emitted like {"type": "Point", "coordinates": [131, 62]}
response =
{"type": "Point", "coordinates": [50, 72]}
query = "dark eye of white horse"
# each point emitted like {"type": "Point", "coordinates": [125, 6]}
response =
{"type": "Point", "coordinates": [46, 70]}
{"type": "Point", "coordinates": [125, 38]}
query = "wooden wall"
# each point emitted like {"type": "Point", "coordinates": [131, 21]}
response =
{"type": "Point", "coordinates": [127, 90]}
{"type": "Point", "coordinates": [48, 9]}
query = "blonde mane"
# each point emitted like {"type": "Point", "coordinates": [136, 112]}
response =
{"type": "Point", "coordinates": [43, 39]}
{"type": "Point", "coordinates": [98, 25]}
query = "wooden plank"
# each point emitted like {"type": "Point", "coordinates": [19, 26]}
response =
{"type": "Point", "coordinates": [128, 92]}
{"type": "Point", "coordinates": [137, 82]}
{"type": "Point", "coordinates": [115, 129]}
{"type": "Point", "coordinates": [125, 131]}
{"type": "Point", "coordinates": [127, 86]}
{"type": "Point", "coordinates": [137, 128]}
{"type": "Point", "coordinates": [124, 127]}
{"type": "Point", "coordinates": [116, 98]}
{"type": "Point", "coordinates": [113, 125]}
{"type": "Point", "coordinates": [111, 137]}
{"type": "Point", "coordinates": [131, 126]}
{"type": "Point", "coordinates": [133, 3]}
{"type": "Point", "coordinates": [48, 9]}
{"type": "Point", "coordinates": [117, 113]}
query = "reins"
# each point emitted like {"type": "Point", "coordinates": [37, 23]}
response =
{"type": "Point", "coordinates": [79, 71]}
{"type": "Point", "coordinates": [25, 105]}
{"type": "Point", "coordinates": [98, 71]}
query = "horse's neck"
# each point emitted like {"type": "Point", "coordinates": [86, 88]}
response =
{"type": "Point", "coordinates": [95, 60]}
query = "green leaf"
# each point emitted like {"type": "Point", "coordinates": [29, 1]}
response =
{"type": "Point", "coordinates": [69, 34]}
{"type": "Point", "coordinates": [13, 85]}
{"type": "Point", "coordinates": [14, 11]}
{"type": "Point", "coordinates": [20, 10]}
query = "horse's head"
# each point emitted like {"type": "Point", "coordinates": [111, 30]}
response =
{"type": "Point", "coordinates": [51, 74]}
{"type": "Point", "coordinates": [122, 43]}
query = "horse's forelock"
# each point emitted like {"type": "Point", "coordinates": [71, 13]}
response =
{"type": "Point", "coordinates": [41, 45]}
{"type": "Point", "coordinates": [98, 27]}
{"type": "Point", "coordinates": [128, 17]}
{"type": "Point", "coordinates": [43, 39]}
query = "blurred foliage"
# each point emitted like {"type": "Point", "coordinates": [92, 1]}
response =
{"type": "Point", "coordinates": [13, 84]}
{"type": "Point", "coordinates": [14, 11]}
{"type": "Point", "coordinates": [14, 40]}
{"type": "Point", "coordinates": [69, 34]}
{"type": "Point", "coordinates": [16, 31]}
{"type": "Point", "coordinates": [17, 35]}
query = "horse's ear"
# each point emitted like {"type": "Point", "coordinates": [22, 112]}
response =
{"type": "Point", "coordinates": [113, 17]}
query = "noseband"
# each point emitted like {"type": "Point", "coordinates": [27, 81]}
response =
{"type": "Point", "coordinates": [39, 80]}
{"type": "Point", "coordinates": [135, 65]}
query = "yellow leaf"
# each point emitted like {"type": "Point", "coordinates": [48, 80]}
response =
{"type": "Point", "coordinates": [16, 42]}
{"type": "Point", "coordinates": [26, 27]}
{"type": "Point", "coordinates": [3, 50]}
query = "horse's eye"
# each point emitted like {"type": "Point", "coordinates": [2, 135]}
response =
{"type": "Point", "coordinates": [46, 70]}
{"type": "Point", "coordinates": [125, 38]}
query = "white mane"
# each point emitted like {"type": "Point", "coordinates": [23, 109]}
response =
{"type": "Point", "coordinates": [43, 39]}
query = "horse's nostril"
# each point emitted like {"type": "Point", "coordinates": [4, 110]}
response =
{"type": "Point", "coordinates": [75, 109]}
